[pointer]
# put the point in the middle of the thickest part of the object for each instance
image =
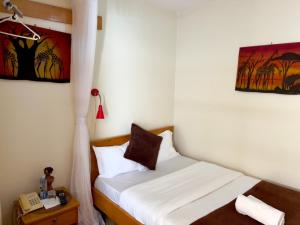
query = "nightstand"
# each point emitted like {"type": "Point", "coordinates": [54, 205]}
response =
{"type": "Point", "coordinates": [59, 215]}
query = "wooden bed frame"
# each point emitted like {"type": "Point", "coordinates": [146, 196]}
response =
{"type": "Point", "coordinates": [103, 203]}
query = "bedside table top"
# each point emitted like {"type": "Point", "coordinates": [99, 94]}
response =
{"type": "Point", "coordinates": [42, 214]}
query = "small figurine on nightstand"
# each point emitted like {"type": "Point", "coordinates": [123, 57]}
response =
{"type": "Point", "coordinates": [46, 184]}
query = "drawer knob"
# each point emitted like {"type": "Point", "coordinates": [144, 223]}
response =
{"type": "Point", "coordinates": [54, 220]}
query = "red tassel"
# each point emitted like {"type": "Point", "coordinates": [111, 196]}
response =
{"type": "Point", "coordinates": [100, 114]}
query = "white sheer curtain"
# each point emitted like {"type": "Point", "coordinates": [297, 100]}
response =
{"type": "Point", "coordinates": [83, 53]}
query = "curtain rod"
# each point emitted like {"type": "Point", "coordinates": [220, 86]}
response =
{"type": "Point", "coordinates": [46, 12]}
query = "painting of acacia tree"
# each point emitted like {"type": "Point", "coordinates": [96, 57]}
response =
{"type": "Point", "coordinates": [47, 59]}
{"type": "Point", "coordinates": [269, 69]}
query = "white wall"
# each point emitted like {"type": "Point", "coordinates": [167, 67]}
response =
{"type": "Point", "coordinates": [256, 133]}
{"type": "Point", "coordinates": [135, 65]}
{"type": "Point", "coordinates": [136, 68]}
{"type": "Point", "coordinates": [36, 130]}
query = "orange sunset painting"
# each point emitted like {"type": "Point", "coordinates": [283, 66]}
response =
{"type": "Point", "coordinates": [269, 68]}
{"type": "Point", "coordinates": [47, 59]}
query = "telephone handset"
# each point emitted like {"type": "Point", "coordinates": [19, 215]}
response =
{"type": "Point", "coordinates": [30, 202]}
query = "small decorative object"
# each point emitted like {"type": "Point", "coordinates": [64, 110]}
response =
{"type": "Point", "coordinates": [51, 194]}
{"type": "Point", "coordinates": [46, 59]}
{"type": "Point", "coordinates": [43, 187]}
{"type": "Point", "coordinates": [62, 197]}
{"type": "Point", "coordinates": [46, 181]}
{"type": "Point", "coordinates": [100, 114]}
{"type": "Point", "coordinates": [269, 68]}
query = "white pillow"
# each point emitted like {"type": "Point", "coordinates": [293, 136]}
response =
{"type": "Point", "coordinates": [140, 167]}
{"type": "Point", "coordinates": [167, 150]}
{"type": "Point", "coordinates": [111, 162]}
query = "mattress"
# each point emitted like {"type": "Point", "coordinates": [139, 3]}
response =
{"type": "Point", "coordinates": [112, 187]}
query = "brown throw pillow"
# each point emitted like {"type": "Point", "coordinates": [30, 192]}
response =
{"type": "Point", "coordinates": [143, 147]}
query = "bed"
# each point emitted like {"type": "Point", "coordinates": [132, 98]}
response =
{"type": "Point", "coordinates": [101, 201]}
{"type": "Point", "coordinates": [213, 188]}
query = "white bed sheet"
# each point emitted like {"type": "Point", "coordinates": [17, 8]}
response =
{"type": "Point", "coordinates": [209, 203]}
{"type": "Point", "coordinates": [112, 187]}
{"type": "Point", "coordinates": [151, 202]}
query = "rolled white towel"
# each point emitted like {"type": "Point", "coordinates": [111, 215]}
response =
{"type": "Point", "coordinates": [258, 210]}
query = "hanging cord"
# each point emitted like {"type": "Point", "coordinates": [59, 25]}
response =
{"type": "Point", "coordinates": [16, 214]}
{"type": "Point", "coordinates": [100, 98]}
{"type": "Point", "coordinates": [94, 116]}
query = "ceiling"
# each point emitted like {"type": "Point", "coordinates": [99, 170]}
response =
{"type": "Point", "coordinates": [175, 5]}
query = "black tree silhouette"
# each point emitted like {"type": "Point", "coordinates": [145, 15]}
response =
{"type": "Point", "coordinates": [286, 61]}
{"type": "Point", "coordinates": [25, 51]}
{"type": "Point", "coordinates": [251, 67]}
{"type": "Point", "coordinates": [242, 69]}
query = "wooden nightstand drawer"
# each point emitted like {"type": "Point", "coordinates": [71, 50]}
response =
{"type": "Point", "coordinates": [59, 215]}
{"type": "Point", "coordinates": [66, 218]}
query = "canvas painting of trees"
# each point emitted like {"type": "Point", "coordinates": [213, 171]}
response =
{"type": "Point", "coordinates": [47, 59]}
{"type": "Point", "coordinates": [269, 68]}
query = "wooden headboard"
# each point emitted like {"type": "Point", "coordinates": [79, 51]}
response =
{"type": "Point", "coordinates": [119, 140]}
